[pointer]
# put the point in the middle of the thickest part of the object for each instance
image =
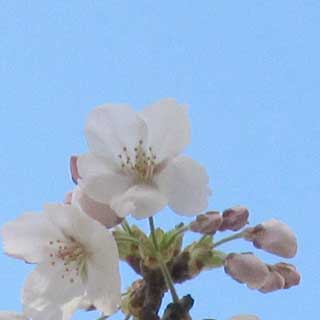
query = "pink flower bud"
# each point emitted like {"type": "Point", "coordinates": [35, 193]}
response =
{"type": "Point", "coordinates": [275, 237]}
{"type": "Point", "coordinates": [234, 218]}
{"type": "Point", "coordinates": [289, 273]}
{"type": "Point", "coordinates": [74, 169]}
{"type": "Point", "coordinates": [246, 268]}
{"type": "Point", "coordinates": [274, 282]}
{"type": "Point", "coordinates": [96, 210]}
{"type": "Point", "coordinates": [207, 223]}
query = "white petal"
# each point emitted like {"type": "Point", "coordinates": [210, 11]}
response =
{"type": "Point", "coordinates": [28, 237]}
{"type": "Point", "coordinates": [91, 164]}
{"type": "Point", "coordinates": [8, 315]}
{"type": "Point", "coordinates": [99, 179]}
{"type": "Point", "coordinates": [54, 312]}
{"type": "Point", "coordinates": [112, 127]}
{"type": "Point", "coordinates": [72, 306]}
{"type": "Point", "coordinates": [103, 285]}
{"type": "Point", "coordinates": [45, 288]}
{"type": "Point", "coordinates": [168, 128]}
{"type": "Point", "coordinates": [185, 182]}
{"type": "Point", "coordinates": [104, 187]}
{"type": "Point", "coordinates": [141, 201]}
{"type": "Point", "coordinates": [103, 280]}
{"type": "Point", "coordinates": [72, 221]}
{"type": "Point", "coordinates": [97, 210]}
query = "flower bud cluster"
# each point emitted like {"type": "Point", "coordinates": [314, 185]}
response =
{"type": "Point", "coordinates": [232, 219]}
{"type": "Point", "coordinates": [247, 268]}
{"type": "Point", "coordinates": [134, 167]}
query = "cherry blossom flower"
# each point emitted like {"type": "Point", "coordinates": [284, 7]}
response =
{"type": "Point", "coordinates": [75, 256]}
{"type": "Point", "coordinates": [51, 312]}
{"type": "Point", "coordinates": [56, 312]}
{"type": "Point", "coordinates": [8, 315]}
{"type": "Point", "coordinates": [134, 163]}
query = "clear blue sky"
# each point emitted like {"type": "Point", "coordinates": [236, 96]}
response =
{"type": "Point", "coordinates": [250, 71]}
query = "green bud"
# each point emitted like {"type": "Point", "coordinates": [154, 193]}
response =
{"type": "Point", "coordinates": [203, 257]}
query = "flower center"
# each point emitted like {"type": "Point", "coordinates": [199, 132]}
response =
{"type": "Point", "coordinates": [73, 256]}
{"type": "Point", "coordinates": [142, 164]}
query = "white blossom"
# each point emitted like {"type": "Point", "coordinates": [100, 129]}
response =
{"type": "Point", "coordinates": [134, 163]}
{"type": "Point", "coordinates": [51, 312]}
{"type": "Point", "coordinates": [8, 315]}
{"type": "Point", "coordinates": [55, 312]}
{"type": "Point", "coordinates": [75, 256]}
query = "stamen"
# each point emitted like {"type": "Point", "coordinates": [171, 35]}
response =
{"type": "Point", "coordinates": [141, 163]}
{"type": "Point", "coordinates": [73, 256]}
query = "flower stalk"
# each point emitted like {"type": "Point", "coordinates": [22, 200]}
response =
{"type": "Point", "coordinates": [235, 236]}
{"type": "Point", "coordinates": [165, 272]}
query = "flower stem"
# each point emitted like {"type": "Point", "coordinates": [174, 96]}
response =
{"type": "Point", "coordinates": [227, 239]}
{"type": "Point", "coordinates": [182, 229]}
{"type": "Point", "coordinates": [164, 269]}
{"type": "Point", "coordinates": [126, 226]}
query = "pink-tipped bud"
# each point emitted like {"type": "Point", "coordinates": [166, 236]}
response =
{"type": "Point", "coordinates": [275, 237]}
{"type": "Point", "coordinates": [74, 169]}
{"type": "Point", "coordinates": [234, 218]}
{"type": "Point", "coordinates": [96, 210]}
{"type": "Point", "coordinates": [207, 223]}
{"type": "Point", "coordinates": [274, 282]}
{"type": "Point", "coordinates": [289, 273]}
{"type": "Point", "coordinates": [246, 268]}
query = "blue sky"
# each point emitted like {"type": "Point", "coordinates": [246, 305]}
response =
{"type": "Point", "coordinates": [249, 70]}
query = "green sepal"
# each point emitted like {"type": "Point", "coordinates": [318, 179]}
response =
{"type": "Point", "coordinates": [203, 257]}
{"type": "Point", "coordinates": [171, 244]}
